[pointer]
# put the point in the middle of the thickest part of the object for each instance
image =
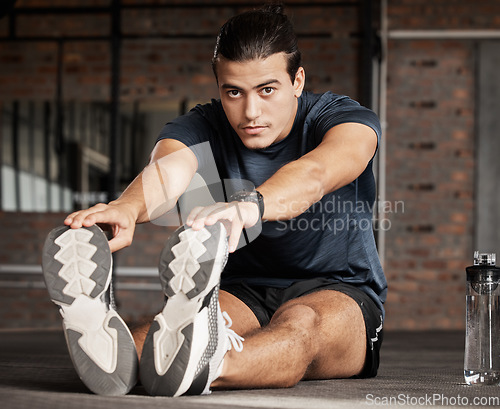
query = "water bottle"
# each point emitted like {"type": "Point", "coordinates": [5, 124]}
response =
{"type": "Point", "coordinates": [482, 332]}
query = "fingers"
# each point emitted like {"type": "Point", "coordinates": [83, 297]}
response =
{"type": "Point", "coordinates": [196, 218]}
{"type": "Point", "coordinates": [209, 215]}
{"type": "Point", "coordinates": [228, 213]}
{"type": "Point", "coordinates": [121, 240]}
{"type": "Point", "coordinates": [85, 217]}
{"type": "Point", "coordinates": [117, 218]}
{"type": "Point", "coordinates": [235, 233]}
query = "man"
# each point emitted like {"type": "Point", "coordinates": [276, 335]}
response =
{"type": "Point", "coordinates": [306, 295]}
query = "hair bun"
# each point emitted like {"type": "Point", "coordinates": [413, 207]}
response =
{"type": "Point", "coordinates": [274, 8]}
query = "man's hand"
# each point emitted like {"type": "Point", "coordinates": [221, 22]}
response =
{"type": "Point", "coordinates": [118, 216]}
{"type": "Point", "coordinates": [235, 216]}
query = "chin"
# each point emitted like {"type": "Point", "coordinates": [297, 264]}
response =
{"type": "Point", "coordinates": [256, 143]}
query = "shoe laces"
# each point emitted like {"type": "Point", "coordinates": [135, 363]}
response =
{"type": "Point", "coordinates": [235, 340]}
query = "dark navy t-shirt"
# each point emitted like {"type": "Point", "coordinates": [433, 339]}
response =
{"type": "Point", "coordinates": [332, 239]}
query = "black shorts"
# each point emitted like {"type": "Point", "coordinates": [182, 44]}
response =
{"type": "Point", "coordinates": [264, 301]}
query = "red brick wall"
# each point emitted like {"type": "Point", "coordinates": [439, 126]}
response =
{"type": "Point", "coordinates": [431, 161]}
{"type": "Point", "coordinates": [443, 15]}
{"type": "Point", "coordinates": [430, 134]}
{"type": "Point", "coordinates": [430, 167]}
{"type": "Point", "coordinates": [160, 68]}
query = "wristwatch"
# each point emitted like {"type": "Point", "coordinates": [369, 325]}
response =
{"type": "Point", "coordinates": [245, 196]}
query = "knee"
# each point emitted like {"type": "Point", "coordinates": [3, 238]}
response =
{"type": "Point", "coordinates": [298, 316]}
{"type": "Point", "coordinates": [303, 323]}
{"type": "Point", "coordinates": [301, 320]}
{"type": "Point", "coordinates": [300, 324]}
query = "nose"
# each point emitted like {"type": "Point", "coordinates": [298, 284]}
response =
{"type": "Point", "coordinates": [252, 107]}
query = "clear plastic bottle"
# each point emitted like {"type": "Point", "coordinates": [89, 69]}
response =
{"type": "Point", "coordinates": [482, 333]}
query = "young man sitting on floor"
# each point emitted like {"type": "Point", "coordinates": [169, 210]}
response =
{"type": "Point", "coordinates": [306, 295]}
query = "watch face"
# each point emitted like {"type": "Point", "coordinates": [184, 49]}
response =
{"type": "Point", "coordinates": [243, 196]}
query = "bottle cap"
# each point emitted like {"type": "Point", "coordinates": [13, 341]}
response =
{"type": "Point", "coordinates": [484, 259]}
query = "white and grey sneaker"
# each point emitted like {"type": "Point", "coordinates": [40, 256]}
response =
{"type": "Point", "coordinates": [77, 267]}
{"type": "Point", "coordinates": [187, 341]}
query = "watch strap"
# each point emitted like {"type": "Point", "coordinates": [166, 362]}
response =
{"type": "Point", "coordinates": [253, 196]}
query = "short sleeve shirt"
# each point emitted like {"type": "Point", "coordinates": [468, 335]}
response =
{"type": "Point", "coordinates": [333, 238]}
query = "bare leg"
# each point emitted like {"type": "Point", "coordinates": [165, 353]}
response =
{"type": "Point", "coordinates": [139, 333]}
{"type": "Point", "coordinates": [246, 321]}
{"type": "Point", "coordinates": [317, 336]}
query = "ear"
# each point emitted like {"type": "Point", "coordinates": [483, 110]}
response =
{"type": "Point", "coordinates": [300, 80]}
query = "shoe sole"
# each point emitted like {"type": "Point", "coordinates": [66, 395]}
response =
{"type": "Point", "coordinates": [178, 346]}
{"type": "Point", "coordinates": [76, 266]}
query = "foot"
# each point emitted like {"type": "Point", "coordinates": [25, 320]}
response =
{"type": "Point", "coordinates": [77, 267]}
{"type": "Point", "coordinates": [187, 341]}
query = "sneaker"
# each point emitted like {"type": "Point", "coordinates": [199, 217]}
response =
{"type": "Point", "coordinates": [187, 341]}
{"type": "Point", "coordinates": [77, 267]}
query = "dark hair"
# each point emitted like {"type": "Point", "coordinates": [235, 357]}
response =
{"type": "Point", "coordinates": [258, 34]}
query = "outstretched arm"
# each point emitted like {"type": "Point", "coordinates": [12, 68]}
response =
{"type": "Point", "coordinates": [339, 159]}
{"type": "Point", "coordinates": [172, 164]}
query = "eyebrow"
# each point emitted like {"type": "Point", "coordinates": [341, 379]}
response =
{"type": "Point", "coordinates": [264, 84]}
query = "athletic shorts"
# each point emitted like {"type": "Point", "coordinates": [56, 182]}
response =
{"type": "Point", "coordinates": [264, 301]}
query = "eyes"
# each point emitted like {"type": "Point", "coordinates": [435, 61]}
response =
{"type": "Point", "coordinates": [234, 93]}
{"type": "Point", "coordinates": [265, 91]}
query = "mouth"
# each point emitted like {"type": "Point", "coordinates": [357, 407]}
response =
{"type": "Point", "coordinates": [253, 130]}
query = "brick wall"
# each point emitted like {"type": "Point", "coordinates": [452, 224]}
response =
{"type": "Point", "coordinates": [156, 64]}
{"type": "Point", "coordinates": [431, 169]}
{"type": "Point", "coordinates": [430, 135]}
{"type": "Point", "coordinates": [445, 14]}
{"type": "Point", "coordinates": [431, 161]}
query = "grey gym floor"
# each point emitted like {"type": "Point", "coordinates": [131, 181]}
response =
{"type": "Point", "coordinates": [418, 369]}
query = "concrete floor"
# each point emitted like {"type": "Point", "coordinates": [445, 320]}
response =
{"type": "Point", "coordinates": [418, 369]}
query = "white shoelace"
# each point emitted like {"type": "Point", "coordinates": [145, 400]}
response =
{"type": "Point", "coordinates": [236, 340]}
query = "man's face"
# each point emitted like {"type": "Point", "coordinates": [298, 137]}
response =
{"type": "Point", "coordinates": [259, 98]}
